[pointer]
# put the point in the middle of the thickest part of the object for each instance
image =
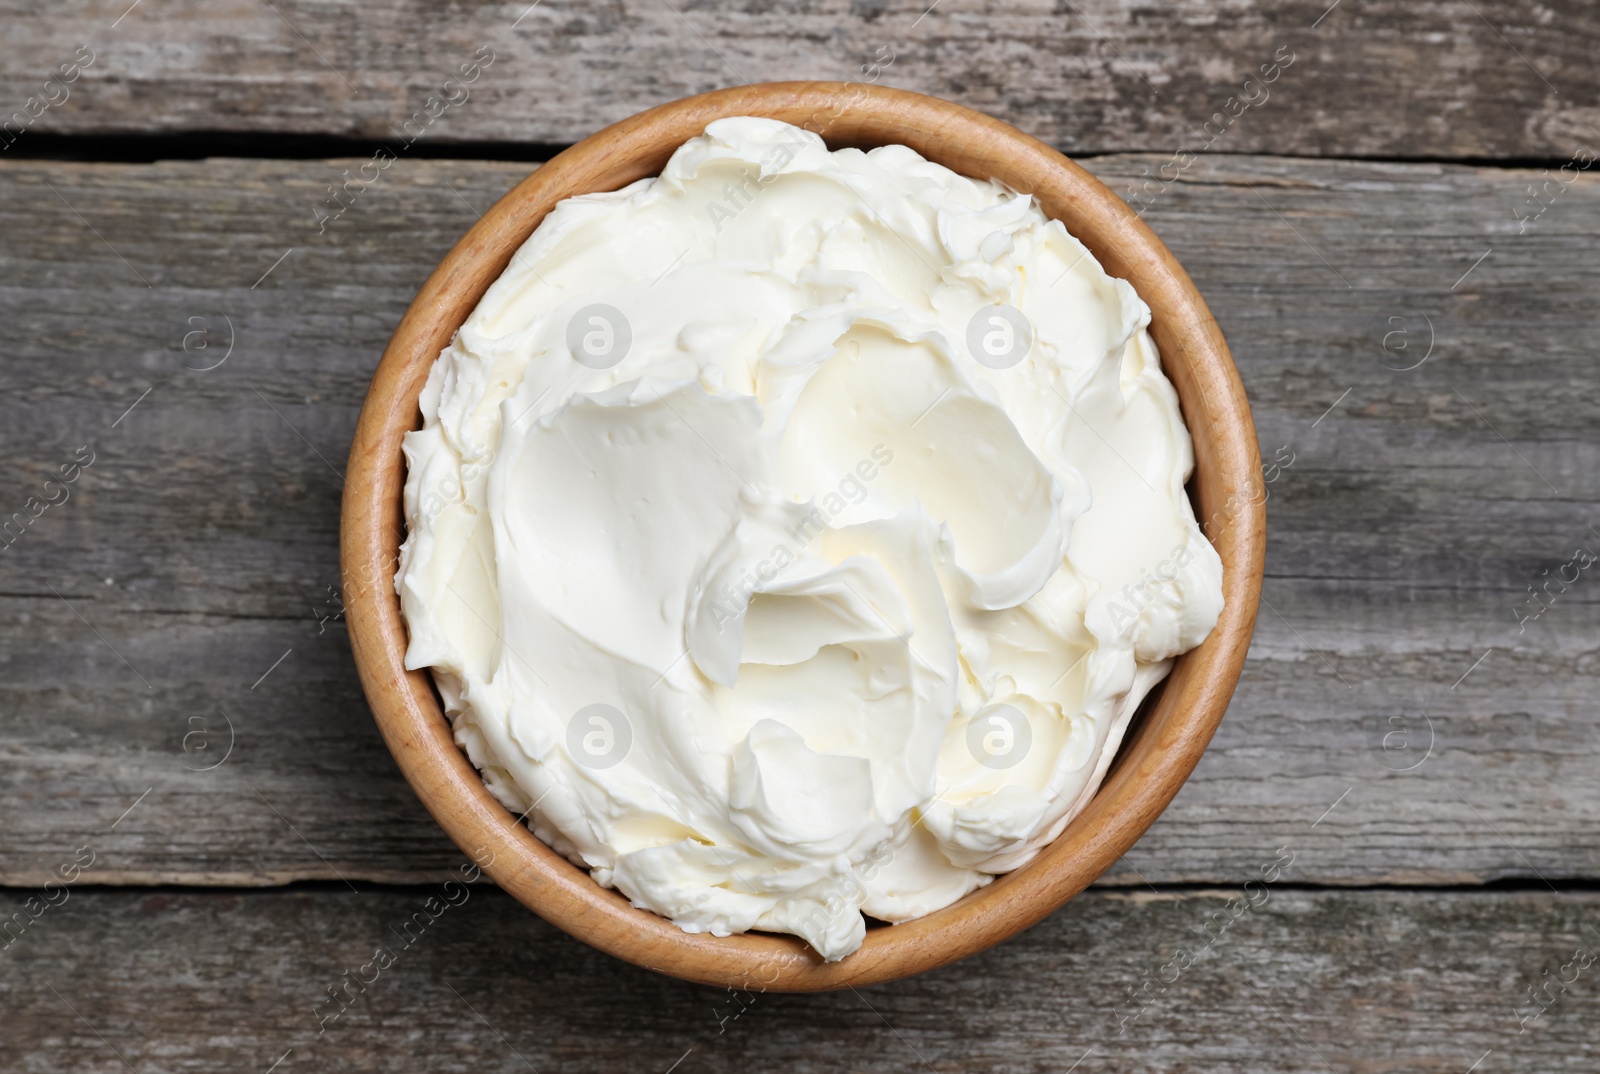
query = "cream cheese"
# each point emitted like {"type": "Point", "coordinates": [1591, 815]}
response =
{"type": "Point", "coordinates": [793, 535]}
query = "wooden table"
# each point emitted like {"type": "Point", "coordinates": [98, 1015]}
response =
{"type": "Point", "coordinates": [1409, 282]}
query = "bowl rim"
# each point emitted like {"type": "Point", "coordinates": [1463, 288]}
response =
{"type": "Point", "coordinates": [1155, 758]}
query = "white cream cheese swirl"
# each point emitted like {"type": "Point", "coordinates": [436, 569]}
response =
{"type": "Point", "coordinates": [792, 536]}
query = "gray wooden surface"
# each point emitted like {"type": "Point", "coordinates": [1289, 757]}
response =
{"type": "Point", "coordinates": [177, 692]}
{"type": "Point", "coordinates": [1369, 78]}
{"type": "Point", "coordinates": [1310, 980]}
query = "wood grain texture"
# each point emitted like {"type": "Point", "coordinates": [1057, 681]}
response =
{"type": "Point", "coordinates": [1401, 538]}
{"type": "Point", "coordinates": [1381, 78]}
{"type": "Point", "coordinates": [1374, 982]}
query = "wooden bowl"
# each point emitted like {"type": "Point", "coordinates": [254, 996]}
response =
{"type": "Point", "coordinates": [1161, 748]}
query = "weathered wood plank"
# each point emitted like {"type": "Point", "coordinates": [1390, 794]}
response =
{"type": "Point", "coordinates": [1403, 535]}
{"type": "Point", "coordinates": [1306, 981]}
{"type": "Point", "coordinates": [1384, 78]}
